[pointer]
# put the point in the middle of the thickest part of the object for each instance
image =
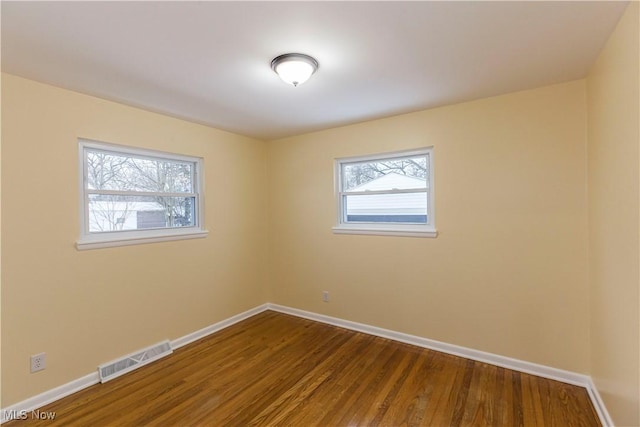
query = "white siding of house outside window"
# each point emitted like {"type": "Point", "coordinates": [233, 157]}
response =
{"type": "Point", "coordinates": [404, 203]}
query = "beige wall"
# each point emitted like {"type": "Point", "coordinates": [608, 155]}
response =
{"type": "Point", "coordinates": [507, 273]}
{"type": "Point", "coordinates": [614, 215]}
{"type": "Point", "coordinates": [85, 308]}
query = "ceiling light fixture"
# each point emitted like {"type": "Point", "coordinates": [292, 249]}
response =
{"type": "Point", "coordinates": [294, 68]}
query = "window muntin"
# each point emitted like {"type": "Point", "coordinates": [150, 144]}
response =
{"type": "Point", "coordinates": [132, 194]}
{"type": "Point", "coordinates": [388, 192]}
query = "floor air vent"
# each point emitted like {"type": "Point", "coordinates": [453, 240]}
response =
{"type": "Point", "coordinates": [115, 368]}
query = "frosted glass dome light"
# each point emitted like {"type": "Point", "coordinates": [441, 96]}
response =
{"type": "Point", "coordinates": [294, 68]}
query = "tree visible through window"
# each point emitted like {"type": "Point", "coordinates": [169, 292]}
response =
{"type": "Point", "coordinates": [129, 189]}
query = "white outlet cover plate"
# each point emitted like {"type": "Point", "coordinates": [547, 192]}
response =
{"type": "Point", "coordinates": [38, 362]}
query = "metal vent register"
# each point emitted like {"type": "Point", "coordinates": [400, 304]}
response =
{"type": "Point", "coordinates": [116, 368]}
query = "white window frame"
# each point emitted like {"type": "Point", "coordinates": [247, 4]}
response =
{"type": "Point", "coordinates": [385, 229]}
{"type": "Point", "coordinates": [88, 240]}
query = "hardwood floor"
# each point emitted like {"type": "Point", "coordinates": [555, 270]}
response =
{"type": "Point", "coordinates": [275, 369]}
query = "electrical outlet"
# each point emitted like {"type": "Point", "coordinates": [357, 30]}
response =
{"type": "Point", "coordinates": [325, 296]}
{"type": "Point", "coordinates": [38, 362]}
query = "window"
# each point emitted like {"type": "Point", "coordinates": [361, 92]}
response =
{"type": "Point", "coordinates": [387, 194]}
{"type": "Point", "coordinates": [130, 196]}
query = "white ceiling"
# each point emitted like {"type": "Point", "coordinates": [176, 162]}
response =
{"type": "Point", "coordinates": [209, 62]}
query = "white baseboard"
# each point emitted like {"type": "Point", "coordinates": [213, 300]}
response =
{"type": "Point", "coordinates": [585, 381]}
{"type": "Point", "coordinates": [598, 403]}
{"type": "Point", "coordinates": [468, 353]}
{"type": "Point", "coordinates": [194, 336]}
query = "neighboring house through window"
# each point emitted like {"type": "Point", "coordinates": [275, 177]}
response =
{"type": "Point", "coordinates": [386, 194]}
{"type": "Point", "coordinates": [130, 196]}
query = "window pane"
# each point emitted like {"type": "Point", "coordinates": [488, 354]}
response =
{"type": "Point", "coordinates": [393, 208]}
{"type": "Point", "coordinates": [117, 213]}
{"type": "Point", "coordinates": [402, 173]}
{"type": "Point", "coordinates": [111, 171]}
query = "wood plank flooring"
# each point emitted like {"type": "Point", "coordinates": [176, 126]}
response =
{"type": "Point", "coordinates": [274, 369]}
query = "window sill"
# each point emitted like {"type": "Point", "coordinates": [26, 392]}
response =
{"type": "Point", "coordinates": [375, 231]}
{"type": "Point", "coordinates": [97, 242]}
